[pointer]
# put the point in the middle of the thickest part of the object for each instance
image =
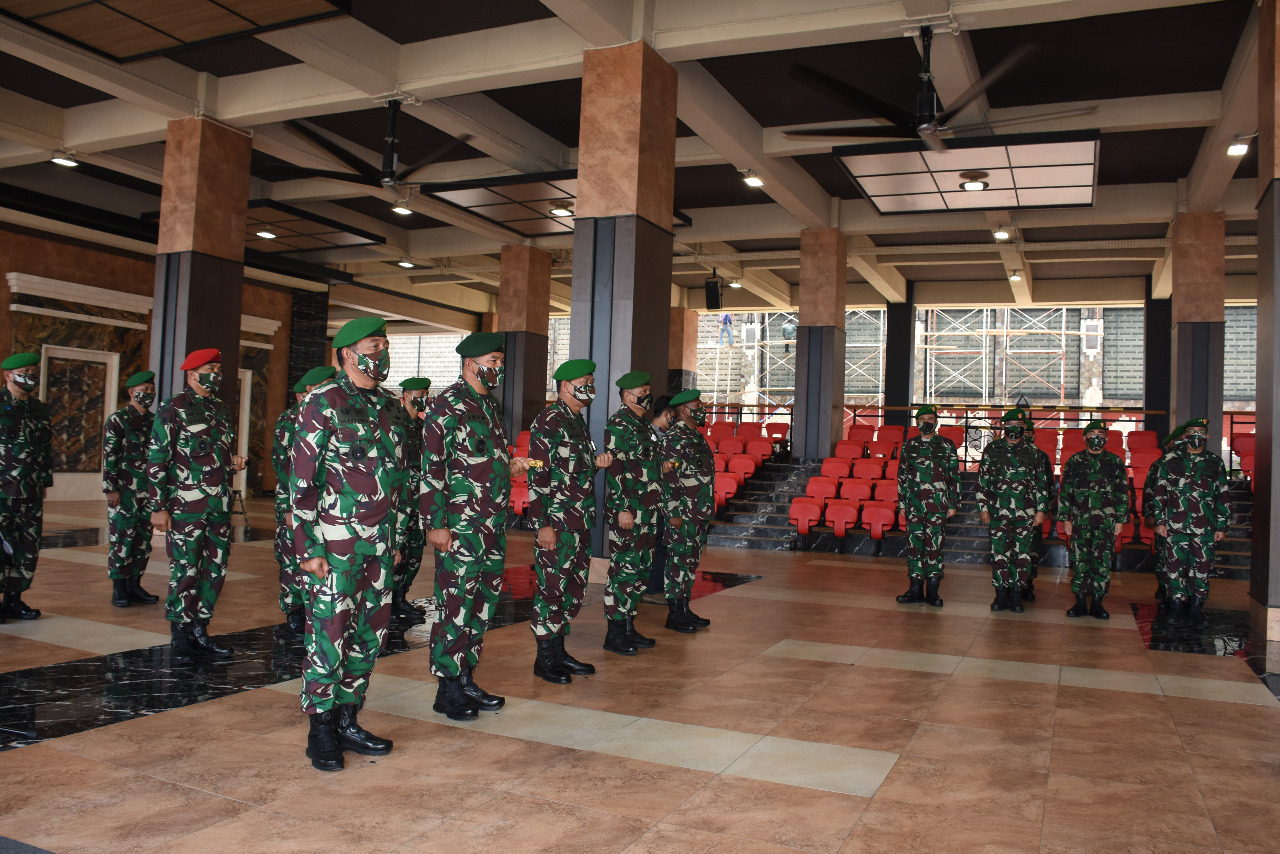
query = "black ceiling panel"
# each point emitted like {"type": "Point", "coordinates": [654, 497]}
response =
{"type": "Point", "coordinates": [554, 107]}
{"type": "Point", "coordinates": [381, 210]}
{"type": "Point", "coordinates": [33, 81]}
{"type": "Point", "coordinates": [952, 272]}
{"type": "Point", "coordinates": [919, 237]}
{"type": "Point", "coordinates": [767, 244]}
{"type": "Point", "coordinates": [1154, 52]}
{"type": "Point", "coordinates": [1090, 269]}
{"type": "Point", "coordinates": [1248, 166]}
{"type": "Point", "coordinates": [715, 187]}
{"type": "Point", "coordinates": [826, 170]}
{"type": "Point", "coordinates": [408, 21]}
{"type": "Point", "coordinates": [1148, 156]}
{"type": "Point", "coordinates": [235, 56]}
{"type": "Point", "coordinates": [368, 129]}
{"type": "Point", "coordinates": [1242, 226]}
{"type": "Point", "coordinates": [1125, 231]}
{"type": "Point", "coordinates": [887, 68]}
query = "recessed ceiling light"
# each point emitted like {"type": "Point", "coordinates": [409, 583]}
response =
{"type": "Point", "coordinates": [751, 179]}
{"type": "Point", "coordinates": [1239, 146]}
{"type": "Point", "coordinates": [974, 181]}
{"type": "Point", "coordinates": [64, 158]}
{"type": "Point", "coordinates": [402, 210]}
{"type": "Point", "coordinates": [1015, 277]}
{"type": "Point", "coordinates": [735, 284]}
{"type": "Point", "coordinates": [404, 262]}
{"type": "Point", "coordinates": [1001, 233]}
{"type": "Point", "coordinates": [562, 210]}
{"type": "Point", "coordinates": [266, 235]}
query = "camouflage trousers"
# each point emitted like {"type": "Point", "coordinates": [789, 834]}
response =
{"type": "Point", "coordinates": [1188, 559]}
{"type": "Point", "coordinates": [924, 546]}
{"type": "Point", "coordinates": [630, 561]}
{"type": "Point", "coordinates": [562, 581]}
{"type": "Point", "coordinates": [684, 552]}
{"type": "Point", "coordinates": [468, 581]}
{"type": "Point", "coordinates": [21, 522]}
{"type": "Point", "coordinates": [197, 547]}
{"type": "Point", "coordinates": [1161, 552]}
{"type": "Point", "coordinates": [1012, 549]}
{"type": "Point", "coordinates": [129, 527]}
{"type": "Point", "coordinates": [1091, 549]}
{"type": "Point", "coordinates": [292, 589]}
{"type": "Point", "coordinates": [414, 545]}
{"type": "Point", "coordinates": [347, 618]}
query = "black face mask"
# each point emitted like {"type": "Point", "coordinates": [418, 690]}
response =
{"type": "Point", "coordinates": [1197, 440]}
{"type": "Point", "coordinates": [927, 428]}
{"type": "Point", "coordinates": [1013, 432]}
{"type": "Point", "coordinates": [644, 401]}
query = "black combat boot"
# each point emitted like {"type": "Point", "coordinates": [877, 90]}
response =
{"type": "Point", "coordinates": [401, 608]}
{"type": "Point", "coordinates": [180, 651]}
{"type": "Point", "coordinates": [1001, 602]}
{"type": "Point", "coordinates": [931, 596]}
{"type": "Point", "coordinates": [637, 640]}
{"type": "Point", "coordinates": [137, 594]}
{"type": "Point", "coordinates": [1029, 592]}
{"type": "Point", "coordinates": [1096, 610]}
{"type": "Point", "coordinates": [203, 643]}
{"type": "Point", "coordinates": [568, 663]}
{"type": "Point", "coordinates": [120, 593]}
{"type": "Point", "coordinates": [1080, 608]}
{"type": "Point", "coordinates": [452, 701]}
{"type": "Point", "coordinates": [547, 665]}
{"type": "Point", "coordinates": [485, 701]}
{"type": "Point", "coordinates": [1162, 592]}
{"type": "Point", "coordinates": [323, 748]}
{"type": "Point", "coordinates": [615, 638]}
{"type": "Point", "coordinates": [914, 594]}
{"type": "Point", "coordinates": [296, 620]}
{"type": "Point", "coordinates": [675, 619]}
{"type": "Point", "coordinates": [352, 736]}
{"type": "Point", "coordinates": [1014, 594]}
{"type": "Point", "coordinates": [1195, 613]}
{"type": "Point", "coordinates": [17, 609]}
{"type": "Point", "coordinates": [689, 616]}
{"type": "Point", "coordinates": [1177, 611]}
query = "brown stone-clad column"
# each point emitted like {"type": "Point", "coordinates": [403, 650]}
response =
{"type": "Point", "coordinates": [524, 309]}
{"type": "Point", "coordinates": [682, 350]}
{"type": "Point", "coordinates": [1199, 287]}
{"type": "Point", "coordinates": [819, 407]}
{"type": "Point", "coordinates": [200, 253]}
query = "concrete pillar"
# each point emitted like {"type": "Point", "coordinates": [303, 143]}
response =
{"type": "Point", "coordinates": [682, 350]}
{"type": "Point", "coordinates": [1199, 319]}
{"type": "Point", "coordinates": [1157, 362]}
{"type": "Point", "coordinates": [524, 309]}
{"type": "Point", "coordinates": [819, 407]}
{"type": "Point", "coordinates": [900, 359]}
{"type": "Point", "coordinates": [308, 336]}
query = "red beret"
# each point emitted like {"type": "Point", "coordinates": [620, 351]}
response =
{"type": "Point", "coordinates": [201, 357]}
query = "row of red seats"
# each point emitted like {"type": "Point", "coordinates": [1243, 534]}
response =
{"type": "Point", "coordinates": [762, 448]}
{"type": "Point", "coordinates": [871, 469]}
{"type": "Point", "coordinates": [775, 431]}
{"type": "Point", "coordinates": [874, 516]}
{"type": "Point", "coordinates": [851, 488]}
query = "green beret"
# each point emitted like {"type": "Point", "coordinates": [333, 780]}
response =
{"type": "Point", "coordinates": [1094, 425]}
{"type": "Point", "coordinates": [1013, 415]}
{"type": "Point", "coordinates": [633, 379]}
{"type": "Point", "coordinates": [1196, 422]}
{"type": "Point", "coordinates": [481, 344]}
{"type": "Point", "coordinates": [315, 376]}
{"type": "Point", "coordinates": [685, 396]}
{"type": "Point", "coordinates": [19, 360]}
{"type": "Point", "coordinates": [573, 369]}
{"type": "Point", "coordinates": [415, 384]}
{"type": "Point", "coordinates": [139, 378]}
{"type": "Point", "coordinates": [357, 329]}
{"type": "Point", "coordinates": [927, 409]}
{"type": "Point", "coordinates": [300, 387]}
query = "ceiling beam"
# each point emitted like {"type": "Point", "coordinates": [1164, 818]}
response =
{"type": "Point", "coordinates": [495, 130]}
{"type": "Point", "coordinates": [345, 49]}
{"type": "Point", "coordinates": [30, 122]}
{"type": "Point", "coordinates": [768, 286]}
{"type": "Point", "coordinates": [601, 22]}
{"type": "Point", "coordinates": [391, 305]}
{"type": "Point", "coordinates": [886, 279]}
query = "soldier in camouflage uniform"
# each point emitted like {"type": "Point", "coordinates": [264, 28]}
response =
{"type": "Point", "coordinates": [413, 404]}
{"type": "Point", "coordinates": [1164, 600]}
{"type": "Point", "coordinates": [690, 506]}
{"type": "Point", "coordinates": [26, 471]}
{"type": "Point", "coordinates": [1013, 499]}
{"type": "Point", "coordinates": [292, 591]}
{"type": "Point", "coordinates": [1190, 501]}
{"type": "Point", "coordinates": [562, 509]}
{"type": "Point", "coordinates": [929, 495]}
{"type": "Point", "coordinates": [465, 505]}
{"type": "Point", "coordinates": [1037, 548]}
{"type": "Point", "coordinates": [189, 471]}
{"type": "Point", "coordinates": [350, 505]}
{"type": "Point", "coordinates": [1093, 505]}
{"type": "Point", "coordinates": [634, 484]}
{"type": "Point", "coordinates": [124, 458]}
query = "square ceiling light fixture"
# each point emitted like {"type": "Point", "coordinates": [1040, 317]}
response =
{"type": "Point", "coordinates": [1035, 170]}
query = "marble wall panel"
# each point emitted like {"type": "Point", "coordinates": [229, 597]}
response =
{"type": "Point", "coordinates": [74, 391]}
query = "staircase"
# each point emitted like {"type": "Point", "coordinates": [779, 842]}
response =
{"type": "Point", "coordinates": [756, 518]}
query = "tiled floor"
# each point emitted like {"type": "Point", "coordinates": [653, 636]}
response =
{"type": "Point", "coordinates": [816, 714]}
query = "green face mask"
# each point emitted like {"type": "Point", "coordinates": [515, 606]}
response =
{"type": "Point", "coordinates": [585, 393]}
{"type": "Point", "coordinates": [145, 399]}
{"type": "Point", "coordinates": [699, 416]}
{"type": "Point", "coordinates": [26, 382]}
{"type": "Point", "coordinates": [418, 403]}
{"type": "Point", "coordinates": [1013, 432]}
{"type": "Point", "coordinates": [210, 381]}
{"type": "Point", "coordinates": [490, 377]}
{"type": "Point", "coordinates": [1095, 443]}
{"type": "Point", "coordinates": [376, 367]}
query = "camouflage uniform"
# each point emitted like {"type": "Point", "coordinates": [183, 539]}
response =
{"type": "Point", "coordinates": [26, 471]}
{"type": "Point", "coordinates": [466, 487]}
{"type": "Point", "coordinates": [689, 496]}
{"type": "Point", "coordinates": [189, 469]}
{"type": "Point", "coordinates": [124, 459]}
{"type": "Point", "coordinates": [291, 589]}
{"type": "Point", "coordinates": [928, 486]}
{"type": "Point", "coordinates": [634, 482]}
{"type": "Point", "coordinates": [1011, 487]}
{"type": "Point", "coordinates": [415, 538]}
{"type": "Point", "coordinates": [1046, 465]}
{"type": "Point", "coordinates": [1159, 544]}
{"type": "Point", "coordinates": [1190, 495]}
{"type": "Point", "coordinates": [1094, 498]}
{"type": "Point", "coordinates": [349, 507]}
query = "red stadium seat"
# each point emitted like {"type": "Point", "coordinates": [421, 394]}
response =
{"type": "Point", "coordinates": [860, 433]}
{"type": "Point", "coordinates": [743, 464]}
{"type": "Point", "coordinates": [891, 470]}
{"type": "Point", "coordinates": [725, 488]}
{"type": "Point", "coordinates": [868, 469]}
{"type": "Point", "coordinates": [849, 450]}
{"type": "Point", "coordinates": [881, 449]}
{"type": "Point", "coordinates": [721, 462]}
{"type": "Point", "coordinates": [856, 489]}
{"type": "Point", "coordinates": [522, 439]}
{"type": "Point", "coordinates": [1244, 444]}
{"type": "Point", "coordinates": [1142, 440]}
{"type": "Point", "coordinates": [1142, 460]}
{"type": "Point", "coordinates": [913, 431]}
{"type": "Point", "coordinates": [890, 433]}
{"type": "Point", "coordinates": [842, 515]}
{"type": "Point", "coordinates": [777, 431]}
{"type": "Point", "coordinates": [804, 513]}
{"type": "Point", "coordinates": [836, 467]}
{"type": "Point", "coordinates": [878, 517]}
{"type": "Point", "coordinates": [721, 430]}
{"type": "Point", "coordinates": [886, 490]}
{"type": "Point", "coordinates": [761, 449]}
{"type": "Point", "coordinates": [730, 446]}
{"type": "Point", "coordinates": [1248, 465]}
{"type": "Point", "coordinates": [954, 433]}
{"type": "Point", "coordinates": [519, 498]}
{"type": "Point", "coordinates": [822, 488]}
{"type": "Point", "coordinates": [1126, 534]}
{"type": "Point", "coordinates": [749, 430]}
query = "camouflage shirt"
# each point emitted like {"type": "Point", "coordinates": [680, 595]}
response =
{"type": "Point", "coordinates": [26, 459]}
{"type": "Point", "coordinates": [928, 476]}
{"type": "Point", "coordinates": [286, 427]}
{"type": "Point", "coordinates": [690, 486]}
{"type": "Point", "coordinates": [1095, 490]}
{"type": "Point", "coordinates": [189, 458]}
{"type": "Point", "coordinates": [124, 450]}
{"type": "Point", "coordinates": [1011, 480]}
{"type": "Point", "coordinates": [562, 494]}
{"type": "Point", "coordinates": [634, 478]}
{"type": "Point", "coordinates": [347, 482]}
{"type": "Point", "coordinates": [1189, 493]}
{"type": "Point", "coordinates": [411, 427]}
{"type": "Point", "coordinates": [466, 468]}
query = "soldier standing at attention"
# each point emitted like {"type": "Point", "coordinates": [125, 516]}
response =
{"type": "Point", "coordinates": [1169, 445]}
{"type": "Point", "coordinates": [1190, 501]}
{"type": "Point", "coordinates": [1037, 547]}
{"type": "Point", "coordinates": [1013, 499]}
{"type": "Point", "coordinates": [26, 471]}
{"type": "Point", "coordinates": [413, 403]}
{"type": "Point", "coordinates": [465, 504]}
{"type": "Point", "coordinates": [562, 508]}
{"type": "Point", "coordinates": [1093, 505]}
{"type": "Point", "coordinates": [189, 470]}
{"type": "Point", "coordinates": [633, 502]}
{"type": "Point", "coordinates": [124, 458]}
{"type": "Point", "coordinates": [292, 592]}
{"type": "Point", "coordinates": [929, 495]}
{"type": "Point", "coordinates": [350, 505]}
{"type": "Point", "coordinates": [690, 509]}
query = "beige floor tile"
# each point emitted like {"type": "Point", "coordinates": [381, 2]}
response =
{"type": "Point", "coordinates": [1217, 689]}
{"type": "Point", "coordinates": [88, 635]}
{"type": "Point", "coordinates": [683, 745]}
{"type": "Point", "coordinates": [902, 660]}
{"type": "Point", "coordinates": [1021, 671]}
{"type": "Point", "coordinates": [849, 770]}
{"type": "Point", "coordinates": [551, 723]}
{"type": "Point", "coordinates": [838, 653]}
{"type": "Point", "coordinates": [1109, 680]}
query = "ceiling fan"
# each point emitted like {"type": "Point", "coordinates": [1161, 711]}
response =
{"type": "Point", "coordinates": [929, 118]}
